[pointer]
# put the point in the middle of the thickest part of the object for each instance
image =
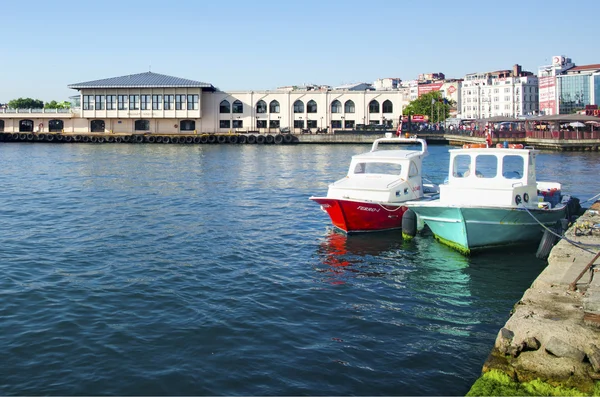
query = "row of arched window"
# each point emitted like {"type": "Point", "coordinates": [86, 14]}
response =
{"type": "Point", "coordinates": [311, 106]}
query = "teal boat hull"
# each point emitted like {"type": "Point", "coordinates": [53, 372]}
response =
{"type": "Point", "coordinates": [474, 228]}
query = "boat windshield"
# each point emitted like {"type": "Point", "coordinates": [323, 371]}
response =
{"type": "Point", "coordinates": [378, 168]}
{"type": "Point", "coordinates": [486, 166]}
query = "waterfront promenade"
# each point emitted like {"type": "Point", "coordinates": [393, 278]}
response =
{"type": "Point", "coordinates": [340, 137]}
{"type": "Point", "coordinates": [553, 334]}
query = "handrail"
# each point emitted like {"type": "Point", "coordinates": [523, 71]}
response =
{"type": "Point", "coordinates": [413, 139]}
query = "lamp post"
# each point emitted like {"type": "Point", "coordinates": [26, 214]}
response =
{"type": "Point", "coordinates": [279, 122]}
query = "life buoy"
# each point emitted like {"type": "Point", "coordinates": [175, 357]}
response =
{"type": "Point", "coordinates": [515, 146]}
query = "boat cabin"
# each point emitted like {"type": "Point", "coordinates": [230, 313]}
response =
{"type": "Point", "coordinates": [383, 175]}
{"type": "Point", "coordinates": [493, 177]}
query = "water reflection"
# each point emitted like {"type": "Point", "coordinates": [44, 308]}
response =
{"type": "Point", "coordinates": [345, 256]}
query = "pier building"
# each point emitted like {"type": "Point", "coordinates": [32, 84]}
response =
{"type": "Point", "coordinates": [155, 103]}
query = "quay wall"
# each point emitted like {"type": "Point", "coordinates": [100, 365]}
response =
{"type": "Point", "coordinates": [79, 128]}
{"type": "Point", "coordinates": [551, 341]}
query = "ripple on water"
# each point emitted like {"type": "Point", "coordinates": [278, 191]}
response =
{"type": "Point", "coordinates": [204, 270]}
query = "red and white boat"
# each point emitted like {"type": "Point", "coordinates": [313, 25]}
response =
{"type": "Point", "coordinates": [370, 198]}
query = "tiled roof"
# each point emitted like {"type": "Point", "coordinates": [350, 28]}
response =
{"type": "Point", "coordinates": [142, 80]}
{"type": "Point", "coordinates": [585, 67]}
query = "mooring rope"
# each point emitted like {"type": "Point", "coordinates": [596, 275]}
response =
{"type": "Point", "coordinates": [575, 243]}
{"type": "Point", "coordinates": [593, 198]}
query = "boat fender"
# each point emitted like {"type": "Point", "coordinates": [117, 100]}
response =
{"type": "Point", "coordinates": [409, 224]}
{"type": "Point", "coordinates": [518, 199]}
{"type": "Point", "coordinates": [526, 197]}
{"type": "Point", "coordinates": [546, 244]}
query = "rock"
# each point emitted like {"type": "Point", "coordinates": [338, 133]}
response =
{"type": "Point", "coordinates": [504, 340]}
{"type": "Point", "coordinates": [531, 343]}
{"type": "Point", "coordinates": [593, 355]}
{"type": "Point", "coordinates": [559, 348]}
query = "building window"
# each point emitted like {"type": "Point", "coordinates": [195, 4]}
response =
{"type": "Point", "coordinates": [238, 123]}
{"type": "Point", "coordinates": [298, 123]}
{"type": "Point", "coordinates": [134, 102]}
{"type": "Point", "coordinates": [224, 123]}
{"type": "Point", "coordinates": [145, 102]}
{"type": "Point", "coordinates": [192, 102]}
{"type": "Point", "coordinates": [99, 99]}
{"type": "Point", "coordinates": [55, 126]}
{"type": "Point", "coordinates": [274, 124]}
{"type": "Point", "coordinates": [311, 123]}
{"type": "Point", "coordinates": [1, 125]}
{"type": "Point", "coordinates": [261, 123]}
{"type": "Point", "coordinates": [373, 106]}
{"type": "Point", "coordinates": [348, 123]}
{"type": "Point", "coordinates": [187, 125]}
{"type": "Point", "coordinates": [156, 102]}
{"type": "Point", "coordinates": [274, 107]}
{"type": "Point", "coordinates": [261, 107]}
{"type": "Point", "coordinates": [97, 126]}
{"type": "Point", "coordinates": [88, 103]}
{"type": "Point", "coordinates": [224, 107]}
{"type": "Point", "coordinates": [311, 107]}
{"type": "Point", "coordinates": [387, 106]}
{"type": "Point", "coordinates": [349, 107]}
{"type": "Point", "coordinates": [299, 107]}
{"type": "Point", "coordinates": [336, 107]}
{"type": "Point", "coordinates": [237, 107]}
{"type": "Point", "coordinates": [110, 102]}
{"type": "Point", "coordinates": [336, 123]}
{"type": "Point", "coordinates": [122, 102]}
{"type": "Point", "coordinates": [179, 102]}
{"type": "Point", "coordinates": [142, 125]}
{"type": "Point", "coordinates": [169, 99]}
{"type": "Point", "coordinates": [26, 126]}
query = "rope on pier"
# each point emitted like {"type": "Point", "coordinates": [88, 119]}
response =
{"type": "Point", "coordinates": [575, 243]}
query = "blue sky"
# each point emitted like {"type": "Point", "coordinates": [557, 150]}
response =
{"type": "Point", "coordinates": [245, 45]}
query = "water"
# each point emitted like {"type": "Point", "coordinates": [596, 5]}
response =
{"type": "Point", "coordinates": [205, 270]}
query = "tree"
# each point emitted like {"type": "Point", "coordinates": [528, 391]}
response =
{"type": "Point", "coordinates": [26, 103]}
{"type": "Point", "coordinates": [57, 105]}
{"type": "Point", "coordinates": [431, 104]}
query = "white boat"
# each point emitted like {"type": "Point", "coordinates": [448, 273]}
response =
{"type": "Point", "coordinates": [492, 198]}
{"type": "Point", "coordinates": [371, 196]}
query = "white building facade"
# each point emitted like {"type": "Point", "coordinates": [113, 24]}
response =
{"type": "Point", "coordinates": [503, 93]}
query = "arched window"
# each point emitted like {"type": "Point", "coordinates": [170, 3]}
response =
{"type": "Point", "coordinates": [187, 125]}
{"type": "Point", "coordinates": [387, 106]}
{"type": "Point", "coordinates": [97, 126]}
{"type": "Point", "coordinates": [373, 106]}
{"type": "Point", "coordinates": [1, 125]}
{"type": "Point", "coordinates": [26, 126]}
{"type": "Point", "coordinates": [261, 106]}
{"type": "Point", "coordinates": [274, 107]}
{"type": "Point", "coordinates": [238, 107]}
{"type": "Point", "coordinates": [225, 107]}
{"type": "Point", "coordinates": [349, 107]}
{"type": "Point", "coordinates": [311, 107]}
{"type": "Point", "coordinates": [336, 107]}
{"type": "Point", "coordinates": [142, 125]}
{"type": "Point", "coordinates": [298, 106]}
{"type": "Point", "coordinates": [55, 125]}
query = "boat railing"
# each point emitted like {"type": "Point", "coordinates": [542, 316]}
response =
{"type": "Point", "coordinates": [423, 142]}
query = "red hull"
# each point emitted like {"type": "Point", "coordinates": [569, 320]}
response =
{"type": "Point", "coordinates": [359, 216]}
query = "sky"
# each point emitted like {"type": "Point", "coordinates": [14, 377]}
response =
{"type": "Point", "coordinates": [264, 44]}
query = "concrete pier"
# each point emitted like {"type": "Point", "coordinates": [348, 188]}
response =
{"type": "Point", "coordinates": [553, 334]}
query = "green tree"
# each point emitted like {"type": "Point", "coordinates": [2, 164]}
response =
{"type": "Point", "coordinates": [26, 103]}
{"type": "Point", "coordinates": [58, 105]}
{"type": "Point", "coordinates": [431, 104]}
